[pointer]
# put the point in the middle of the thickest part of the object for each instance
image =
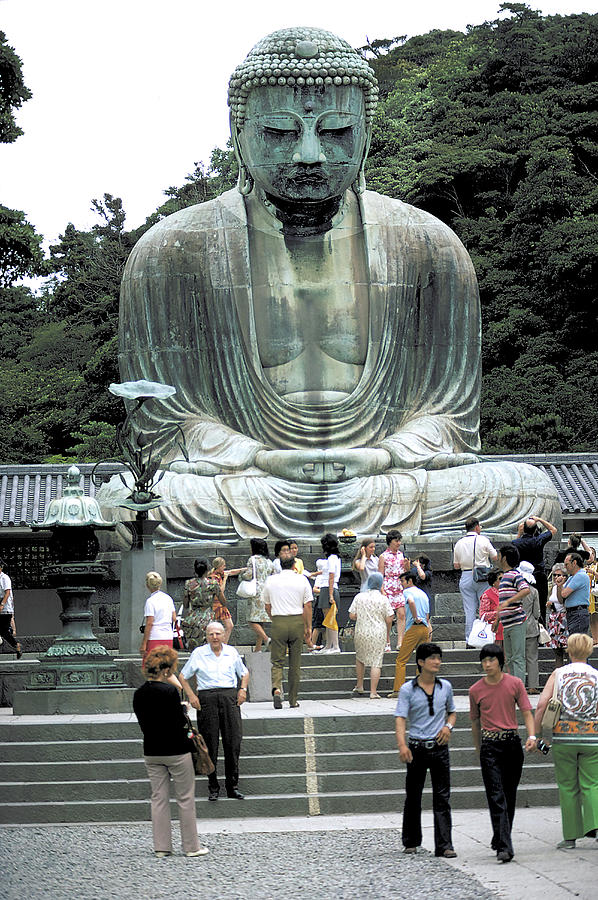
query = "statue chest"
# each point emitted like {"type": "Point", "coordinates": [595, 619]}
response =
{"type": "Point", "coordinates": [311, 312]}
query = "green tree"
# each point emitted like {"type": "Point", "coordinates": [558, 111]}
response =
{"type": "Point", "coordinates": [13, 92]}
{"type": "Point", "coordinates": [494, 131]}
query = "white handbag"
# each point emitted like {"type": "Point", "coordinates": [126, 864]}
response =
{"type": "Point", "coordinates": [248, 589]}
{"type": "Point", "coordinates": [481, 634]}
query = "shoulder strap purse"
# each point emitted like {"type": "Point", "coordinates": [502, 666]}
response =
{"type": "Point", "coordinates": [202, 763]}
{"type": "Point", "coordinates": [552, 713]}
{"type": "Point", "coordinates": [479, 573]}
{"type": "Point", "coordinates": [248, 589]}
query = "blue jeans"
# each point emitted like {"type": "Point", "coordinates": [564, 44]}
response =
{"type": "Point", "coordinates": [471, 591]}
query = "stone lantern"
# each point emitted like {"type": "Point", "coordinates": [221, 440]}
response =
{"type": "Point", "coordinates": [76, 660]}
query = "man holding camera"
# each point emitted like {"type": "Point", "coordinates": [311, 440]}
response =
{"type": "Point", "coordinates": [532, 536]}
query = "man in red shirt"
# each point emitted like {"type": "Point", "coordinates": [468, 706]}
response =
{"type": "Point", "coordinates": [492, 709]}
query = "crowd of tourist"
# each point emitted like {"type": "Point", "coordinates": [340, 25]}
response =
{"type": "Point", "coordinates": [511, 596]}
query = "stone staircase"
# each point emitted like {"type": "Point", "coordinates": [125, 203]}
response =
{"type": "Point", "coordinates": [332, 676]}
{"type": "Point", "coordinates": [326, 758]}
{"type": "Point", "coordinates": [292, 765]}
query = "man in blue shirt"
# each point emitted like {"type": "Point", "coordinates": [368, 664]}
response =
{"type": "Point", "coordinates": [575, 594]}
{"type": "Point", "coordinates": [417, 626]}
{"type": "Point", "coordinates": [427, 702]}
{"type": "Point", "coordinates": [217, 668]}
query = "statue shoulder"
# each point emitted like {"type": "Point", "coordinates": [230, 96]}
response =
{"type": "Point", "coordinates": [380, 209]}
{"type": "Point", "coordinates": [180, 229]}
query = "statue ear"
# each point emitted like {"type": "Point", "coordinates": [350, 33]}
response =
{"type": "Point", "coordinates": [359, 183]}
{"type": "Point", "coordinates": [244, 181]}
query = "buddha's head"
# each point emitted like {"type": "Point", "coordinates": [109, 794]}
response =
{"type": "Point", "coordinates": [302, 104]}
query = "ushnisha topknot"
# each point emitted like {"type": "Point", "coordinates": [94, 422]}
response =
{"type": "Point", "coordinates": [301, 56]}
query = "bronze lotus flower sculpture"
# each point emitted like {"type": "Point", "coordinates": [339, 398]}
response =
{"type": "Point", "coordinates": [139, 450]}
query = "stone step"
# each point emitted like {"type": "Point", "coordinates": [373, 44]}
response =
{"type": "Point", "coordinates": [334, 760]}
{"type": "Point", "coordinates": [94, 771]}
{"type": "Point", "coordinates": [256, 784]}
{"type": "Point", "coordinates": [266, 806]}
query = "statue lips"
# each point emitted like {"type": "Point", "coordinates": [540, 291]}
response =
{"type": "Point", "coordinates": [309, 174]}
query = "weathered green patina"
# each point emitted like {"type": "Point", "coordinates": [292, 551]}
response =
{"type": "Point", "coordinates": [76, 659]}
{"type": "Point", "coordinates": [324, 339]}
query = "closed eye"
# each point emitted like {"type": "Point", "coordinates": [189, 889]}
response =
{"type": "Point", "coordinates": [336, 131]}
{"type": "Point", "coordinates": [270, 129]}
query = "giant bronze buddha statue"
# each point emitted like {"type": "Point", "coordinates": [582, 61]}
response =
{"type": "Point", "coordinates": [324, 339]}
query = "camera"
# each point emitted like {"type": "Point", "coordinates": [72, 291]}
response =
{"type": "Point", "coordinates": [542, 746]}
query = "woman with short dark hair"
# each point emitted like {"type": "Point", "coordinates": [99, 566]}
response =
{"type": "Point", "coordinates": [330, 568]}
{"type": "Point", "coordinates": [391, 565]}
{"type": "Point", "coordinates": [259, 566]}
{"type": "Point", "coordinates": [199, 595]}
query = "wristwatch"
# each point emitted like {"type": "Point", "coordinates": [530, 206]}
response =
{"type": "Point", "coordinates": [449, 726]}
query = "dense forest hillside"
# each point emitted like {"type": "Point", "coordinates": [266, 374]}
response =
{"type": "Point", "coordinates": [493, 130]}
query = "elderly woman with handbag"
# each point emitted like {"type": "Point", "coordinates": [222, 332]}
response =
{"type": "Point", "coordinates": [371, 611]}
{"type": "Point", "coordinates": [167, 753]}
{"type": "Point", "coordinates": [569, 704]}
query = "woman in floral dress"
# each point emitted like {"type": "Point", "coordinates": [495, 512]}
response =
{"type": "Point", "coordinates": [372, 612]}
{"type": "Point", "coordinates": [259, 563]}
{"type": "Point", "coordinates": [199, 596]}
{"type": "Point", "coordinates": [557, 617]}
{"type": "Point", "coordinates": [391, 566]}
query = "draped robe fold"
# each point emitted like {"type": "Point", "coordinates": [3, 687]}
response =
{"type": "Point", "coordinates": [187, 320]}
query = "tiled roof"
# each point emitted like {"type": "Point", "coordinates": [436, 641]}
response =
{"type": "Point", "coordinates": [574, 475]}
{"type": "Point", "coordinates": [25, 490]}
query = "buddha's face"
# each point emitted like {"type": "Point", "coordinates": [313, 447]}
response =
{"type": "Point", "coordinates": [305, 143]}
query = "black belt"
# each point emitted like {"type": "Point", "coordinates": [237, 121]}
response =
{"type": "Point", "coordinates": [429, 745]}
{"type": "Point", "coordinates": [218, 690]}
{"type": "Point", "coordinates": [579, 606]}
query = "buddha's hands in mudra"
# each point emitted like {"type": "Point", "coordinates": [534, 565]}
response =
{"type": "Point", "coordinates": [323, 466]}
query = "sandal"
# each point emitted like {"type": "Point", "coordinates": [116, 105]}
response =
{"type": "Point", "coordinates": [356, 690]}
{"type": "Point", "coordinates": [375, 697]}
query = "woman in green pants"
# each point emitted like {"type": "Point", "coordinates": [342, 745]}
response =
{"type": "Point", "coordinates": [575, 741]}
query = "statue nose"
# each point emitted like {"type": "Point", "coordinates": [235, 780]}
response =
{"type": "Point", "coordinates": [309, 150]}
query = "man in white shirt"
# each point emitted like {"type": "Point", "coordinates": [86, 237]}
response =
{"type": "Point", "coordinates": [7, 611]}
{"type": "Point", "coordinates": [217, 667]}
{"type": "Point", "coordinates": [473, 544]}
{"type": "Point", "coordinates": [287, 598]}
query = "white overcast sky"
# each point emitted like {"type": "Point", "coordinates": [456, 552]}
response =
{"type": "Point", "coordinates": [128, 94]}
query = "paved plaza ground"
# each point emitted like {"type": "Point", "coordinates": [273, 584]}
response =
{"type": "Point", "coordinates": [327, 857]}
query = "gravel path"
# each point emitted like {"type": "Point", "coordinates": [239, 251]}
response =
{"type": "Point", "coordinates": [97, 862]}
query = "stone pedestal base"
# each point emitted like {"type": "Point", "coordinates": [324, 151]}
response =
{"type": "Point", "coordinates": [260, 677]}
{"type": "Point", "coordinates": [79, 701]}
{"type": "Point", "coordinates": [142, 558]}
{"type": "Point", "coordinates": [75, 676]}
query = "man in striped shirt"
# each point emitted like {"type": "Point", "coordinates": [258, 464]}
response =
{"type": "Point", "coordinates": [512, 589]}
